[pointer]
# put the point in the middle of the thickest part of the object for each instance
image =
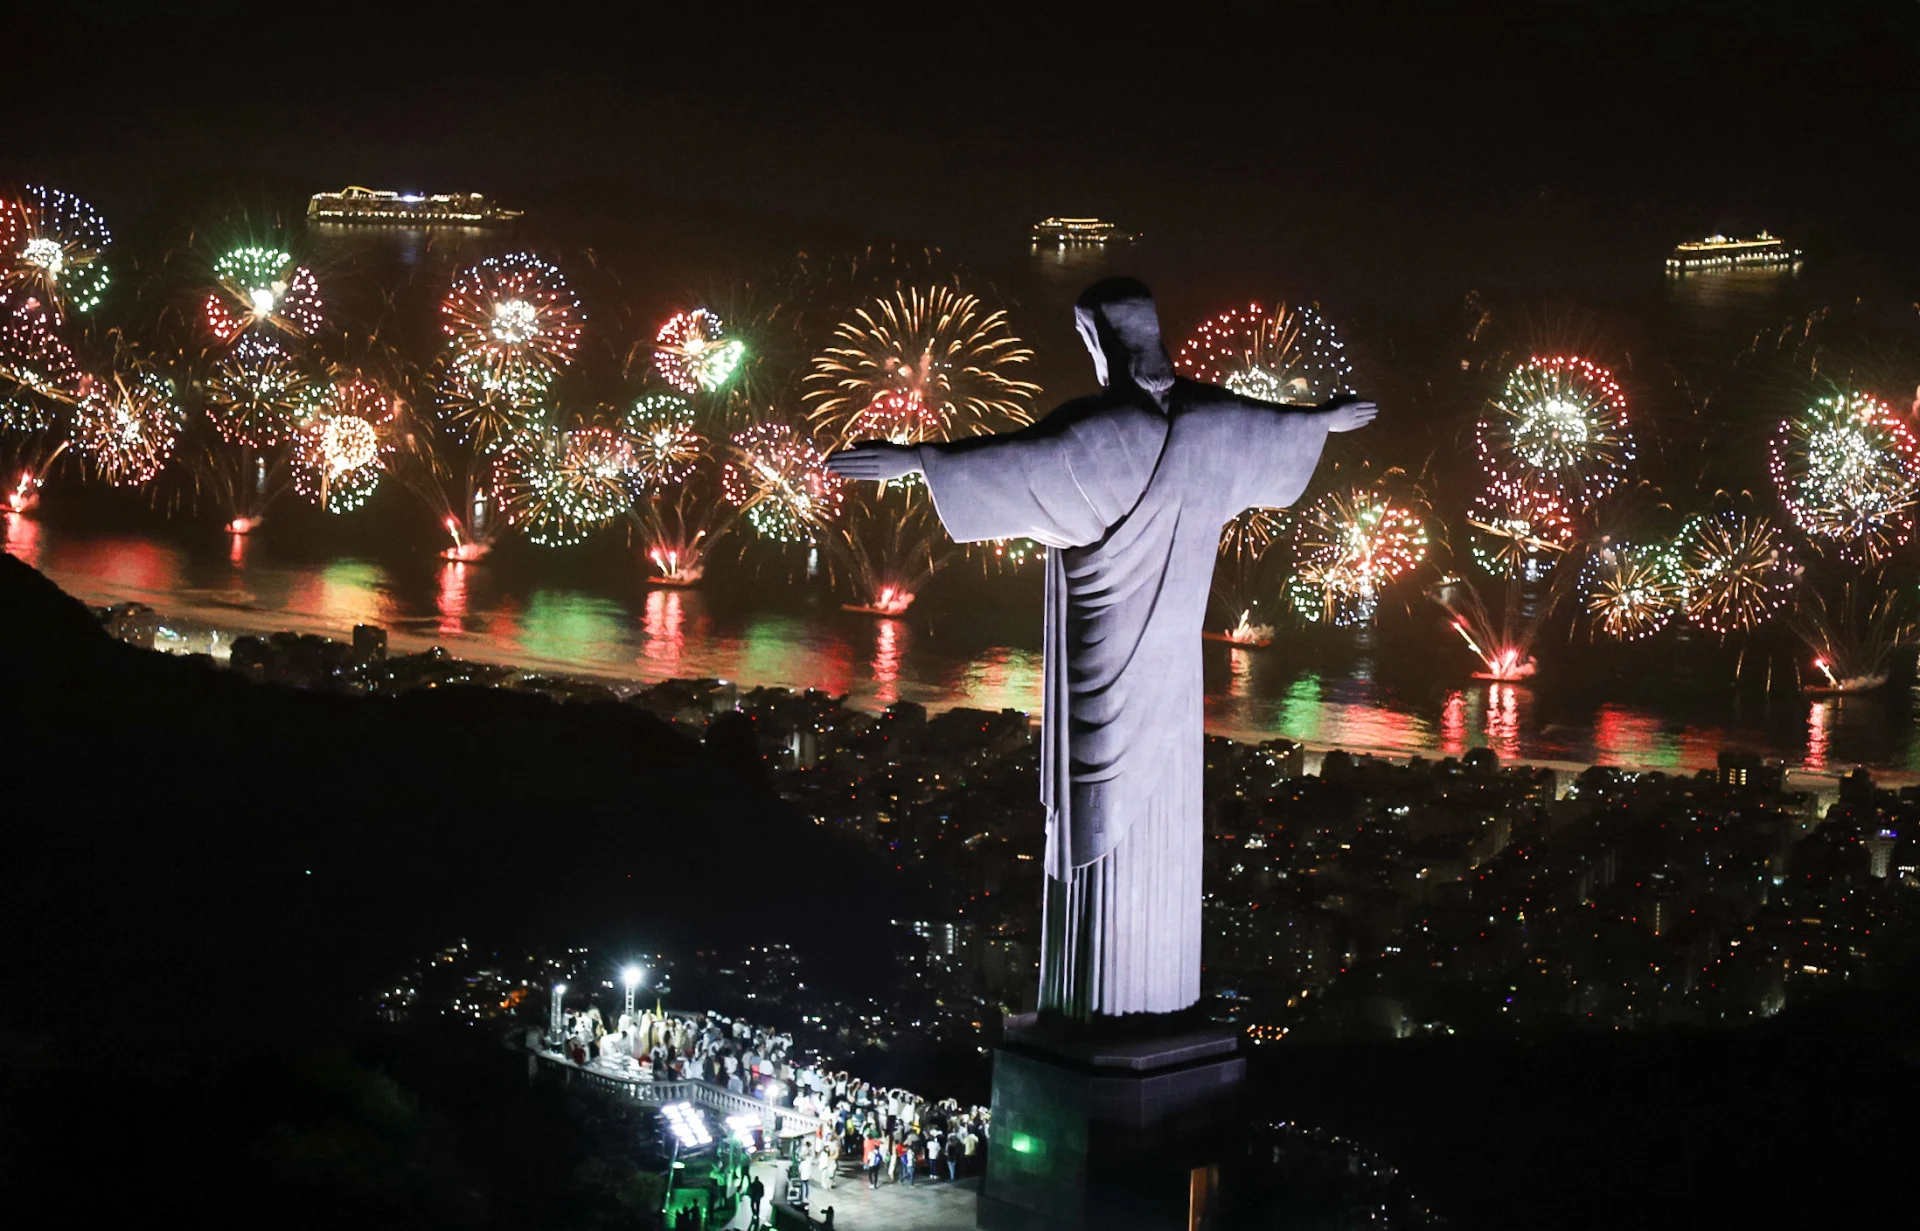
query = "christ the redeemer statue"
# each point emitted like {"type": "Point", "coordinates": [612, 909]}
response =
{"type": "Point", "coordinates": [1129, 490]}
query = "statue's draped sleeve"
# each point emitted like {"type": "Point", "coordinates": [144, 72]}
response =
{"type": "Point", "coordinates": [1061, 482]}
{"type": "Point", "coordinates": [1267, 452]}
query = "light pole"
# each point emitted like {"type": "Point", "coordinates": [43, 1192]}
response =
{"type": "Point", "coordinates": [631, 976]}
{"type": "Point", "coordinates": [553, 1015]}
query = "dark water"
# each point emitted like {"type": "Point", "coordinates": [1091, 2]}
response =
{"type": "Point", "coordinates": [1412, 693]}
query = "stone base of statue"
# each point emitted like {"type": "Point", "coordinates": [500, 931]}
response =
{"type": "Point", "coordinates": [1109, 1133]}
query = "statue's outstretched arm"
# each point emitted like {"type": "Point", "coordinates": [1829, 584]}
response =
{"type": "Point", "coordinates": [876, 460]}
{"type": "Point", "coordinates": [1348, 413]}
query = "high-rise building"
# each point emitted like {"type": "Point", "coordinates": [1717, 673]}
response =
{"type": "Point", "coordinates": [369, 643]}
{"type": "Point", "coordinates": [1880, 852]}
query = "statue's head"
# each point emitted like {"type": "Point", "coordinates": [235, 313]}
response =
{"type": "Point", "coordinates": [1121, 327]}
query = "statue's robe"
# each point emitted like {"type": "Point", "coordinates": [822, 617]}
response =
{"type": "Point", "coordinates": [1130, 501]}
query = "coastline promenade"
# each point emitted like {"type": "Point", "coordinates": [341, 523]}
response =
{"type": "Point", "coordinates": [231, 619]}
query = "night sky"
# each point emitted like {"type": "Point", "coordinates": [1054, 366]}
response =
{"type": "Point", "coordinates": [925, 122]}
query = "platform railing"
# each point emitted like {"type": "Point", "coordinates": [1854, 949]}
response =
{"type": "Point", "coordinates": [685, 1090]}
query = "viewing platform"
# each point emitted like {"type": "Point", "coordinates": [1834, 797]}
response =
{"type": "Point", "coordinates": [931, 1204]}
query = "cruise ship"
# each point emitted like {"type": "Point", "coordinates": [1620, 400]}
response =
{"type": "Point", "coordinates": [1079, 231]}
{"type": "Point", "coordinates": [410, 209]}
{"type": "Point", "coordinates": [1719, 252]}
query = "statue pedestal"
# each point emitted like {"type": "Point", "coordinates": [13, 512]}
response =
{"type": "Point", "coordinates": [1115, 1135]}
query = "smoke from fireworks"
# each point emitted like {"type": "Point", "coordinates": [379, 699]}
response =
{"type": "Point", "coordinates": [920, 365]}
{"type": "Point", "coordinates": [54, 244]}
{"type": "Point", "coordinates": [1848, 470]}
{"type": "Point", "coordinates": [678, 529]}
{"type": "Point", "coordinates": [781, 483]}
{"type": "Point", "coordinates": [1559, 426]}
{"type": "Point", "coordinates": [1853, 634]}
{"type": "Point", "coordinates": [1291, 355]}
{"type": "Point", "coordinates": [693, 353]}
{"type": "Point", "coordinates": [127, 427]}
{"type": "Point", "coordinates": [263, 287]}
{"type": "Point", "coordinates": [887, 546]}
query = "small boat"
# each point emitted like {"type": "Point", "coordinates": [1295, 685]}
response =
{"type": "Point", "coordinates": [1245, 633]}
{"type": "Point", "coordinates": [1851, 686]}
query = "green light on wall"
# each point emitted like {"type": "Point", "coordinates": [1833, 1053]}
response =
{"type": "Point", "coordinates": [1020, 1143]}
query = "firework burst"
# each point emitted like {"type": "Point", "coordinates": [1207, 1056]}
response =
{"type": "Point", "coordinates": [32, 356]}
{"type": "Point", "coordinates": [1848, 470]}
{"type": "Point", "coordinates": [254, 390]}
{"type": "Point", "coordinates": [1247, 536]}
{"type": "Point", "coordinates": [339, 450]}
{"type": "Point", "coordinates": [1739, 571]}
{"type": "Point", "coordinates": [513, 323]}
{"type": "Point", "coordinates": [781, 483]}
{"type": "Point", "coordinates": [1513, 528]}
{"type": "Point", "coordinates": [53, 243]}
{"type": "Point", "coordinates": [664, 444]}
{"type": "Point", "coordinates": [264, 288]}
{"type": "Point", "coordinates": [558, 487]}
{"type": "Point", "coordinates": [1634, 591]}
{"type": "Point", "coordinates": [1240, 571]}
{"type": "Point", "coordinates": [1349, 549]}
{"type": "Point", "coordinates": [693, 353]}
{"type": "Point", "coordinates": [1560, 427]}
{"type": "Point", "coordinates": [920, 365]}
{"type": "Point", "coordinates": [1290, 355]}
{"type": "Point", "coordinates": [127, 427]}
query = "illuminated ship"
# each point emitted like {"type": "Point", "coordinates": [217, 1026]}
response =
{"type": "Point", "coordinates": [1719, 252]}
{"type": "Point", "coordinates": [411, 209]}
{"type": "Point", "coordinates": [1079, 231]}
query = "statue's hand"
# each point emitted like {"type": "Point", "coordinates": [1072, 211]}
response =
{"type": "Point", "coordinates": [1350, 415]}
{"type": "Point", "coordinates": [875, 459]}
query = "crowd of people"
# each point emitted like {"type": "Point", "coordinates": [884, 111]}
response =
{"type": "Point", "coordinates": [887, 1135]}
